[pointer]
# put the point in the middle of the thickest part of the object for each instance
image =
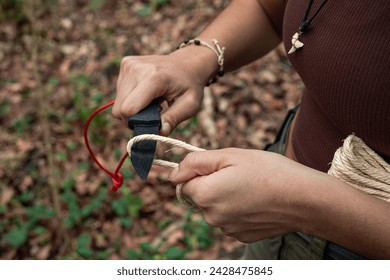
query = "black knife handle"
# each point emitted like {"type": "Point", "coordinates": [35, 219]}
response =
{"type": "Point", "coordinates": [149, 116]}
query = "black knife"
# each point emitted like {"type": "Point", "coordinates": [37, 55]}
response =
{"type": "Point", "coordinates": [147, 121]}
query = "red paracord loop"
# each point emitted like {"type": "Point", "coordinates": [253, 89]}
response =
{"type": "Point", "coordinates": [116, 177]}
{"type": "Point", "coordinates": [117, 182]}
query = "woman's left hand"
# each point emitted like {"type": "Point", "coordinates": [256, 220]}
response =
{"type": "Point", "coordinates": [249, 194]}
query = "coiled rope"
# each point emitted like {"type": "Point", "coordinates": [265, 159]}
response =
{"type": "Point", "coordinates": [358, 165]}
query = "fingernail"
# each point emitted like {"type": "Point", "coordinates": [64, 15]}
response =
{"type": "Point", "coordinates": [166, 127]}
{"type": "Point", "coordinates": [173, 173]}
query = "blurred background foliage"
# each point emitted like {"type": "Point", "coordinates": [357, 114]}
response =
{"type": "Point", "coordinates": [59, 62]}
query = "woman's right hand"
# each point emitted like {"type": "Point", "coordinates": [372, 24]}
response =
{"type": "Point", "coordinates": [178, 78]}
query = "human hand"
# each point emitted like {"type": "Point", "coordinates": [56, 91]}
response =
{"type": "Point", "coordinates": [179, 78]}
{"type": "Point", "coordinates": [249, 194]}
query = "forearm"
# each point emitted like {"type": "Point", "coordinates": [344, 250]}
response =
{"type": "Point", "coordinates": [348, 217]}
{"type": "Point", "coordinates": [244, 29]}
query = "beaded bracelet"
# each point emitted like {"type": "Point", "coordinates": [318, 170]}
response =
{"type": "Point", "coordinates": [218, 50]}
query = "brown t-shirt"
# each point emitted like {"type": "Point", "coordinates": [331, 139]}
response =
{"type": "Point", "coordinates": [345, 66]}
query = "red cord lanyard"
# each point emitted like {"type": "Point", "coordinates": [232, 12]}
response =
{"type": "Point", "coordinates": [116, 176]}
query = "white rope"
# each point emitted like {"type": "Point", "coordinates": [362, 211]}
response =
{"type": "Point", "coordinates": [354, 163]}
{"type": "Point", "coordinates": [179, 188]}
{"type": "Point", "coordinates": [358, 165]}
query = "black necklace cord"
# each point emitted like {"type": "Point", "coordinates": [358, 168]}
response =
{"type": "Point", "coordinates": [306, 22]}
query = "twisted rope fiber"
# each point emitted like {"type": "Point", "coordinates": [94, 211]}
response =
{"type": "Point", "coordinates": [358, 165]}
{"type": "Point", "coordinates": [354, 163]}
{"type": "Point", "coordinates": [179, 193]}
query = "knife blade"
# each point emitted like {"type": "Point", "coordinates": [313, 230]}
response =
{"type": "Point", "coordinates": [147, 121]}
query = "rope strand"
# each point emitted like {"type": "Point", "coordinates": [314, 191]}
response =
{"type": "Point", "coordinates": [354, 163]}
{"type": "Point", "coordinates": [179, 188]}
{"type": "Point", "coordinates": [116, 176]}
{"type": "Point", "coordinates": [359, 166]}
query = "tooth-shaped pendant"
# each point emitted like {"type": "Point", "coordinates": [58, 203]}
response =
{"type": "Point", "coordinates": [296, 44]}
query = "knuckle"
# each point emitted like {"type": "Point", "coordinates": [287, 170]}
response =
{"type": "Point", "coordinates": [211, 220]}
{"type": "Point", "coordinates": [193, 101]}
{"type": "Point", "coordinates": [157, 75]}
{"type": "Point", "coordinates": [228, 232]}
{"type": "Point", "coordinates": [125, 62]}
{"type": "Point", "coordinates": [124, 111]}
{"type": "Point", "coordinates": [115, 112]}
{"type": "Point", "coordinates": [131, 64]}
{"type": "Point", "coordinates": [190, 159]}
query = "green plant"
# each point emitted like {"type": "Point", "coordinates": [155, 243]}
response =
{"type": "Point", "coordinates": [69, 197]}
{"type": "Point", "coordinates": [148, 8]}
{"type": "Point", "coordinates": [23, 124]}
{"type": "Point", "coordinates": [84, 246]}
{"type": "Point", "coordinates": [147, 251]}
{"type": "Point", "coordinates": [127, 207]}
{"type": "Point", "coordinates": [77, 214]}
{"type": "Point", "coordinates": [187, 127]}
{"type": "Point", "coordinates": [12, 10]}
{"type": "Point", "coordinates": [96, 4]}
{"type": "Point", "coordinates": [4, 107]}
{"type": "Point", "coordinates": [94, 205]}
{"type": "Point", "coordinates": [198, 234]}
{"type": "Point", "coordinates": [18, 235]}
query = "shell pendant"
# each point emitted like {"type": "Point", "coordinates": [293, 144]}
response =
{"type": "Point", "coordinates": [296, 44]}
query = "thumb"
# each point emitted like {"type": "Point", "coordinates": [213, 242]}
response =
{"type": "Point", "coordinates": [183, 108]}
{"type": "Point", "coordinates": [199, 164]}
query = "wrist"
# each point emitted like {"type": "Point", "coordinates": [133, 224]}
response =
{"type": "Point", "coordinates": [201, 61]}
{"type": "Point", "coordinates": [323, 200]}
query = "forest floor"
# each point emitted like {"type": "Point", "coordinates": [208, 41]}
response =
{"type": "Point", "coordinates": [59, 62]}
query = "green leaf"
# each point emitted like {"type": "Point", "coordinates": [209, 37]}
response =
{"type": "Point", "coordinates": [160, 2]}
{"type": "Point", "coordinates": [98, 97]}
{"type": "Point", "coordinates": [175, 253]}
{"type": "Point", "coordinates": [71, 145]}
{"type": "Point", "coordinates": [40, 230]}
{"type": "Point", "coordinates": [26, 197]}
{"type": "Point", "coordinates": [22, 124]}
{"type": "Point", "coordinates": [146, 247]}
{"type": "Point", "coordinates": [74, 215]}
{"type": "Point", "coordinates": [17, 237]}
{"type": "Point", "coordinates": [61, 156]}
{"type": "Point", "coordinates": [4, 108]}
{"type": "Point", "coordinates": [83, 166]}
{"type": "Point", "coordinates": [135, 205]}
{"type": "Point", "coordinates": [94, 205]}
{"type": "Point", "coordinates": [69, 183]}
{"type": "Point", "coordinates": [86, 210]}
{"type": "Point", "coordinates": [103, 255]}
{"type": "Point", "coordinates": [95, 4]}
{"type": "Point", "coordinates": [83, 246]}
{"type": "Point", "coordinates": [39, 211]}
{"type": "Point", "coordinates": [52, 81]}
{"type": "Point", "coordinates": [120, 207]}
{"type": "Point", "coordinates": [133, 255]}
{"type": "Point", "coordinates": [144, 11]}
{"type": "Point", "coordinates": [127, 174]}
{"type": "Point", "coordinates": [126, 222]}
